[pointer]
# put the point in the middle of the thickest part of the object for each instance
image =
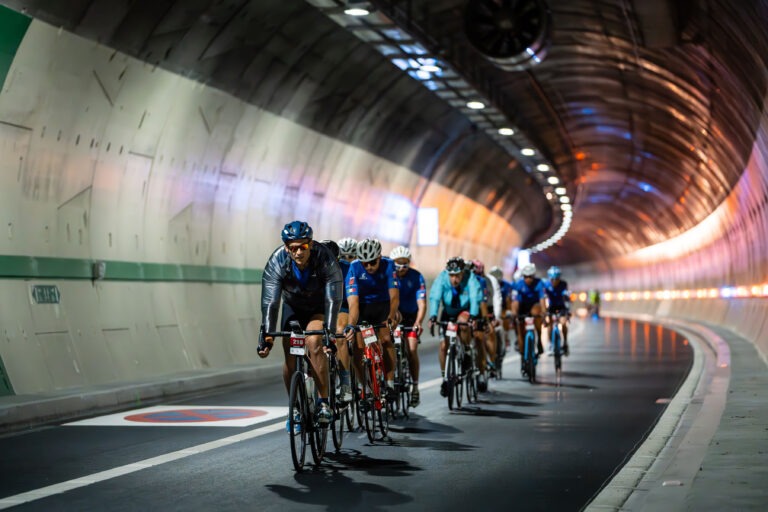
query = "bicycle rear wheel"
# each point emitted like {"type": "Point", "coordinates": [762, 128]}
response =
{"type": "Point", "coordinates": [530, 356]}
{"type": "Point", "coordinates": [297, 421]}
{"type": "Point", "coordinates": [405, 389]}
{"type": "Point", "coordinates": [318, 438]}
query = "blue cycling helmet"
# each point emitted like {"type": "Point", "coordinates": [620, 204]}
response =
{"type": "Point", "coordinates": [554, 272]}
{"type": "Point", "coordinates": [296, 230]}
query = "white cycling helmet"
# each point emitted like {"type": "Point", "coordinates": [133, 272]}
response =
{"type": "Point", "coordinates": [528, 270]}
{"type": "Point", "coordinates": [368, 249]}
{"type": "Point", "coordinates": [496, 272]}
{"type": "Point", "coordinates": [348, 247]}
{"type": "Point", "coordinates": [400, 251]}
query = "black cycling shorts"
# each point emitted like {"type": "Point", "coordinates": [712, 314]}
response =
{"type": "Point", "coordinates": [374, 313]}
{"type": "Point", "coordinates": [303, 316]}
{"type": "Point", "coordinates": [409, 319]}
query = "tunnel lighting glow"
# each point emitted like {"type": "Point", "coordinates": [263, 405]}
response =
{"type": "Point", "coordinates": [553, 180]}
{"type": "Point", "coordinates": [428, 226]}
{"type": "Point", "coordinates": [560, 191]}
{"type": "Point", "coordinates": [356, 11]}
{"type": "Point", "coordinates": [565, 199]}
{"type": "Point", "coordinates": [429, 65]}
{"type": "Point", "coordinates": [506, 131]}
{"type": "Point", "coordinates": [725, 292]}
{"type": "Point", "coordinates": [476, 105]}
{"type": "Point", "coordinates": [549, 195]}
{"type": "Point", "coordinates": [528, 151]}
{"type": "Point", "coordinates": [565, 207]}
{"type": "Point", "coordinates": [542, 167]}
{"type": "Point", "coordinates": [568, 215]}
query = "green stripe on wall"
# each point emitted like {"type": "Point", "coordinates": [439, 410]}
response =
{"type": "Point", "coordinates": [13, 26]}
{"type": "Point", "coordinates": [30, 267]}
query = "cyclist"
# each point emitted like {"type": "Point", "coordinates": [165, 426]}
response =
{"type": "Point", "coordinates": [347, 249]}
{"type": "Point", "coordinates": [559, 302]}
{"type": "Point", "coordinates": [486, 331]}
{"type": "Point", "coordinates": [593, 302]}
{"type": "Point", "coordinates": [373, 294]}
{"type": "Point", "coordinates": [413, 308]}
{"type": "Point", "coordinates": [459, 293]}
{"type": "Point", "coordinates": [528, 298]}
{"type": "Point", "coordinates": [506, 302]}
{"type": "Point", "coordinates": [342, 353]}
{"type": "Point", "coordinates": [306, 276]}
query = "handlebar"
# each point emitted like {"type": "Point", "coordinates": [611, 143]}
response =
{"type": "Point", "coordinates": [442, 323]}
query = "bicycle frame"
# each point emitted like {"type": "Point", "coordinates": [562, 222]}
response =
{"type": "Point", "coordinates": [530, 357]}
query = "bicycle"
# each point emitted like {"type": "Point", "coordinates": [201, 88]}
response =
{"type": "Point", "coordinates": [372, 406]}
{"type": "Point", "coordinates": [338, 407]}
{"type": "Point", "coordinates": [302, 397]}
{"type": "Point", "coordinates": [403, 378]}
{"type": "Point", "coordinates": [455, 368]}
{"type": "Point", "coordinates": [530, 355]}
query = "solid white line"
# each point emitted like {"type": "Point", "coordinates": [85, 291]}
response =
{"type": "Point", "coordinates": [83, 481]}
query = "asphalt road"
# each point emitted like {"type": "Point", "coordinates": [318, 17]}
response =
{"type": "Point", "coordinates": [524, 447]}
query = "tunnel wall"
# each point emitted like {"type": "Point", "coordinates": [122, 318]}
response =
{"type": "Point", "coordinates": [726, 254]}
{"type": "Point", "coordinates": [181, 190]}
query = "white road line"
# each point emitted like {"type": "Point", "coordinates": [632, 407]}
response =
{"type": "Point", "coordinates": [83, 481]}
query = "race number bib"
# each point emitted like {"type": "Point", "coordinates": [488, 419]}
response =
{"type": "Point", "coordinates": [369, 335]}
{"type": "Point", "coordinates": [398, 336]}
{"type": "Point", "coordinates": [297, 345]}
{"type": "Point", "coordinates": [452, 330]}
{"type": "Point", "coordinates": [529, 325]}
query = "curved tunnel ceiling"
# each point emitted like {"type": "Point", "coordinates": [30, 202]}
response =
{"type": "Point", "coordinates": [648, 108]}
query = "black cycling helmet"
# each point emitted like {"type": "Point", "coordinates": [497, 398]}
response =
{"type": "Point", "coordinates": [333, 246]}
{"type": "Point", "coordinates": [455, 265]}
{"type": "Point", "coordinates": [296, 230]}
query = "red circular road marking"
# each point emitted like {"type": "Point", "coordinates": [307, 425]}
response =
{"type": "Point", "coordinates": [195, 415]}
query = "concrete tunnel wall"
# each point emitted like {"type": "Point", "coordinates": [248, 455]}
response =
{"type": "Point", "coordinates": [729, 249]}
{"type": "Point", "coordinates": [182, 190]}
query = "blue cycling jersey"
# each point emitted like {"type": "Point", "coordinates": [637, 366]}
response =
{"type": "Point", "coordinates": [467, 297]}
{"type": "Point", "coordinates": [506, 290]}
{"type": "Point", "coordinates": [371, 288]}
{"type": "Point", "coordinates": [412, 289]}
{"type": "Point", "coordinates": [483, 286]}
{"type": "Point", "coordinates": [528, 295]}
{"type": "Point", "coordinates": [559, 296]}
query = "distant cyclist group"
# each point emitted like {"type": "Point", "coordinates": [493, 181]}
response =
{"type": "Point", "coordinates": [339, 299]}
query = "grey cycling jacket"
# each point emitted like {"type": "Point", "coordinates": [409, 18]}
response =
{"type": "Point", "coordinates": [323, 290]}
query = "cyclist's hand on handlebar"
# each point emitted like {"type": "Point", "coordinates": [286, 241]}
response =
{"type": "Point", "coordinates": [432, 321]}
{"type": "Point", "coordinates": [349, 332]}
{"type": "Point", "coordinates": [265, 346]}
{"type": "Point", "coordinates": [418, 329]}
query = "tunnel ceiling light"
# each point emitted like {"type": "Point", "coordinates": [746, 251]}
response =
{"type": "Point", "coordinates": [476, 105]}
{"type": "Point", "coordinates": [565, 207]}
{"type": "Point", "coordinates": [553, 180]}
{"type": "Point", "coordinates": [506, 131]}
{"type": "Point", "coordinates": [357, 8]}
{"type": "Point", "coordinates": [549, 195]}
{"type": "Point", "coordinates": [560, 191]}
{"type": "Point", "coordinates": [542, 167]}
{"type": "Point", "coordinates": [430, 68]}
{"type": "Point", "coordinates": [528, 151]}
{"type": "Point", "coordinates": [565, 199]}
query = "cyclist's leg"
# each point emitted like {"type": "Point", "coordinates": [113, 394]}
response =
{"type": "Point", "coordinates": [564, 330]}
{"type": "Point", "coordinates": [536, 310]}
{"type": "Point", "coordinates": [317, 356]}
{"type": "Point", "coordinates": [343, 355]}
{"type": "Point", "coordinates": [490, 343]}
{"type": "Point", "coordinates": [409, 320]}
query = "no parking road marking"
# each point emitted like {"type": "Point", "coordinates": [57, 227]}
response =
{"type": "Point", "coordinates": [187, 416]}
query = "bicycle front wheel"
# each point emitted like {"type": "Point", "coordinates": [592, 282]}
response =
{"type": "Point", "coordinates": [367, 403]}
{"type": "Point", "coordinates": [556, 349]}
{"type": "Point", "coordinates": [297, 424]}
{"type": "Point", "coordinates": [451, 375]}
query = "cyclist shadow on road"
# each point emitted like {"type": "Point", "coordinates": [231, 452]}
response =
{"type": "Point", "coordinates": [475, 410]}
{"type": "Point", "coordinates": [494, 397]}
{"type": "Point", "coordinates": [329, 486]}
{"type": "Point", "coordinates": [417, 424]}
{"type": "Point", "coordinates": [354, 460]}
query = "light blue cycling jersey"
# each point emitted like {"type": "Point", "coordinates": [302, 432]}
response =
{"type": "Point", "coordinates": [467, 297]}
{"type": "Point", "coordinates": [412, 289]}
{"type": "Point", "coordinates": [371, 288]}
